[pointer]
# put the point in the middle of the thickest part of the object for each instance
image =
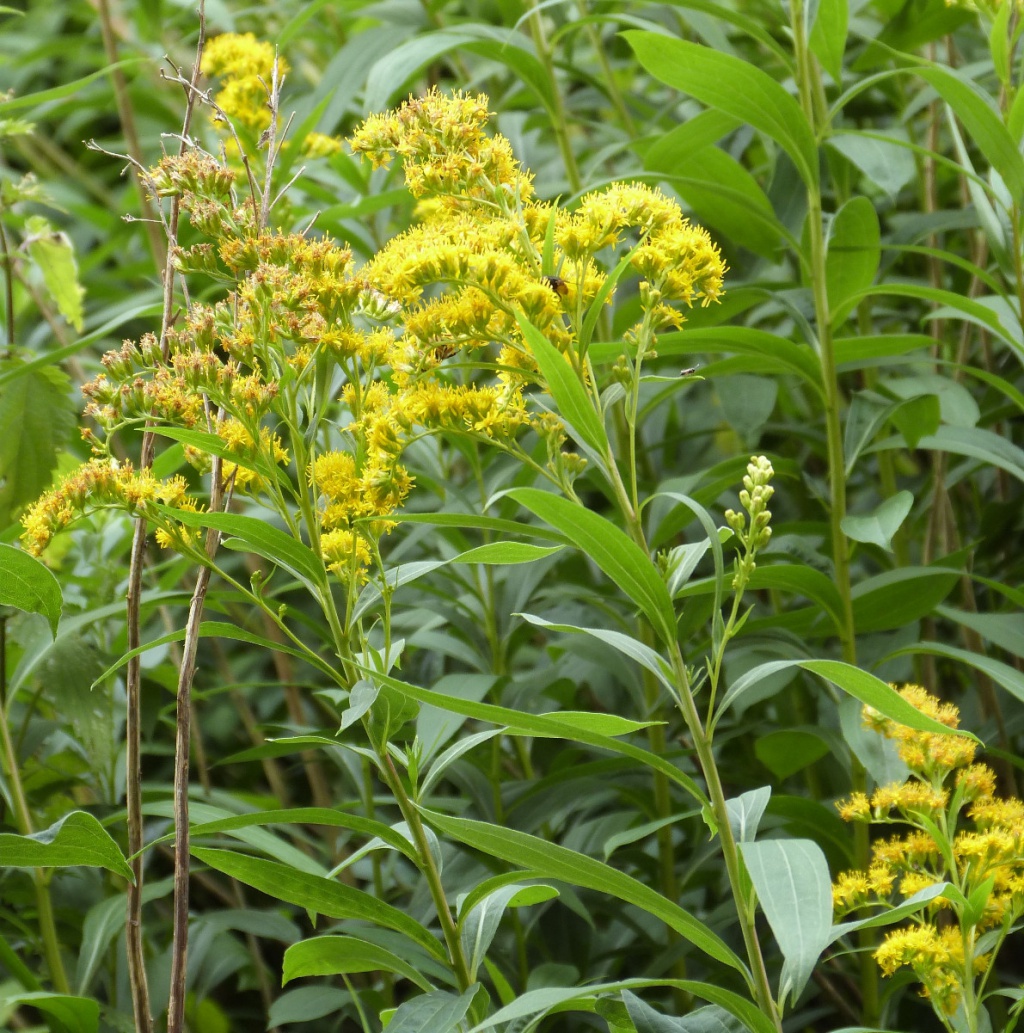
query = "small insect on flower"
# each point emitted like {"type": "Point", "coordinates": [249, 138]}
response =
{"type": "Point", "coordinates": [557, 284]}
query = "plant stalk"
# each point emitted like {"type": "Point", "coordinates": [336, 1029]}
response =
{"type": "Point", "coordinates": [182, 746]}
{"type": "Point", "coordinates": [134, 944]}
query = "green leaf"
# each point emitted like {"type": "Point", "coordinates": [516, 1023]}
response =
{"type": "Point", "coordinates": [978, 113]}
{"type": "Point", "coordinates": [37, 419]}
{"type": "Point", "coordinates": [343, 955]}
{"type": "Point", "coordinates": [625, 644]}
{"type": "Point", "coordinates": [54, 256]}
{"type": "Point", "coordinates": [794, 888]}
{"type": "Point", "coordinates": [745, 812]}
{"type": "Point", "coordinates": [478, 927]}
{"type": "Point", "coordinates": [317, 894]}
{"type": "Point", "coordinates": [898, 597]}
{"type": "Point", "coordinates": [217, 629]}
{"type": "Point", "coordinates": [853, 255]}
{"type": "Point", "coordinates": [789, 750]}
{"type": "Point", "coordinates": [305, 816]}
{"type": "Point", "coordinates": [859, 351]}
{"type": "Point", "coordinates": [828, 36]}
{"type": "Point", "coordinates": [436, 1012]}
{"type": "Point", "coordinates": [77, 839]}
{"type": "Point", "coordinates": [550, 726]}
{"type": "Point", "coordinates": [483, 523]}
{"type": "Point", "coordinates": [1003, 674]}
{"type": "Point", "coordinates": [883, 157]}
{"type": "Point", "coordinates": [66, 90]}
{"type": "Point", "coordinates": [536, 1003]}
{"type": "Point", "coordinates": [878, 528]}
{"type": "Point", "coordinates": [722, 194]}
{"type": "Point", "coordinates": [263, 539]}
{"type": "Point", "coordinates": [977, 443]}
{"type": "Point", "coordinates": [865, 687]}
{"type": "Point", "coordinates": [390, 74]}
{"type": "Point", "coordinates": [711, 1019]}
{"type": "Point", "coordinates": [616, 554]}
{"type": "Point", "coordinates": [29, 585]}
{"type": "Point", "coordinates": [75, 1014]}
{"type": "Point", "coordinates": [507, 553]}
{"type": "Point", "coordinates": [558, 862]}
{"type": "Point", "coordinates": [307, 1002]}
{"type": "Point", "coordinates": [735, 87]}
{"type": "Point", "coordinates": [574, 404]}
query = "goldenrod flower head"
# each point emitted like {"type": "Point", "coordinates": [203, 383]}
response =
{"type": "Point", "coordinates": [849, 891]}
{"type": "Point", "coordinates": [928, 754]}
{"type": "Point", "coordinates": [999, 814]}
{"type": "Point", "coordinates": [240, 440]}
{"type": "Point", "coordinates": [681, 263]}
{"type": "Point", "coordinates": [245, 66]}
{"type": "Point", "coordinates": [856, 808]}
{"type": "Point", "coordinates": [346, 553]}
{"type": "Point", "coordinates": [444, 149]}
{"type": "Point", "coordinates": [102, 483]}
{"type": "Point", "coordinates": [910, 798]}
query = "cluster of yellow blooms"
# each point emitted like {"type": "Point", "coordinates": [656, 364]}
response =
{"type": "Point", "coordinates": [245, 66]}
{"type": "Point", "coordinates": [423, 338]}
{"type": "Point", "coordinates": [981, 858]}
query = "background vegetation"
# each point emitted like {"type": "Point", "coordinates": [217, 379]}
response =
{"type": "Point", "coordinates": [869, 343]}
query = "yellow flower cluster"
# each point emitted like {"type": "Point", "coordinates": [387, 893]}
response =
{"type": "Point", "coordinates": [444, 148]}
{"type": "Point", "coordinates": [104, 484]}
{"type": "Point", "coordinates": [424, 338]}
{"type": "Point", "coordinates": [245, 66]}
{"type": "Point", "coordinates": [984, 857]}
{"type": "Point", "coordinates": [481, 238]}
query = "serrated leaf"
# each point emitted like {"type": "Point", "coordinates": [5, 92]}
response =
{"type": "Point", "coordinates": [37, 419]}
{"type": "Point", "coordinates": [54, 256]}
{"type": "Point", "coordinates": [77, 839]}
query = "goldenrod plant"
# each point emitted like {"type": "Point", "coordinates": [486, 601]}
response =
{"type": "Point", "coordinates": [962, 852]}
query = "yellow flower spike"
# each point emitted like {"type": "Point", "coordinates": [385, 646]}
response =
{"type": "Point", "coordinates": [101, 483]}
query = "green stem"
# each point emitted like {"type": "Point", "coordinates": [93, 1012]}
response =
{"type": "Point", "coordinates": [705, 755]}
{"type": "Point", "coordinates": [760, 986]}
{"type": "Point", "coordinates": [8, 268]}
{"type": "Point", "coordinates": [428, 867]}
{"type": "Point", "coordinates": [808, 81]}
{"type": "Point", "coordinates": [558, 120]}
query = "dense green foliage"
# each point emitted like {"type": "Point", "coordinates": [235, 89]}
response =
{"type": "Point", "coordinates": [573, 766]}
